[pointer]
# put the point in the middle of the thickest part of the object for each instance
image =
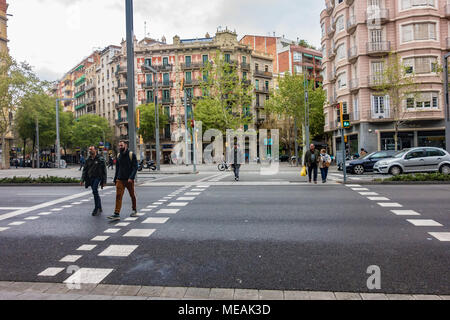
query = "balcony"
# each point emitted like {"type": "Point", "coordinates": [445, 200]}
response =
{"type": "Point", "coordinates": [121, 121]}
{"type": "Point", "coordinates": [262, 90]}
{"type": "Point", "coordinates": [122, 85]}
{"type": "Point", "coordinates": [329, 6]}
{"type": "Point", "coordinates": [167, 101]}
{"type": "Point", "coordinates": [163, 67]}
{"type": "Point", "coordinates": [353, 85]}
{"type": "Point", "coordinates": [330, 31]}
{"type": "Point", "coordinates": [263, 74]}
{"type": "Point", "coordinates": [349, 2]}
{"type": "Point", "coordinates": [192, 65]}
{"type": "Point", "coordinates": [374, 81]}
{"type": "Point", "coordinates": [377, 16]}
{"type": "Point", "coordinates": [124, 137]}
{"type": "Point", "coordinates": [447, 10]}
{"type": "Point", "coordinates": [352, 54]}
{"type": "Point", "coordinates": [332, 76]}
{"type": "Point", "coordinates": [378, 48]}
{"type": "Point", "coordinates": [351, 24]}
{"type": "Point", "coordinates": [90, 100]}
{"type": "Point", "coordinates": [123, 103]}
{"type": "Point", "coordinates": [331, 54]}
{"type": "Point", "coordinates": [90, 86]}
{"type": "Point", "coordinates": [165, 84]}
{"type": "Point", "coordinates": [147, 85]}
{"type": "Point", "coordinates": [80, 94]}
{"type": "Point", "coordinates": [381, 113]}
{"type": "Point", "coordinates": [245, 66]}
{"type": "Point", "coordinates": [147, 101]}
{"type": "Point", "coordinates": [191, 83]}
{"type": "Point", "coordinates": [121, 70]}
{"type": "Point", "coordinates": [261, 118]}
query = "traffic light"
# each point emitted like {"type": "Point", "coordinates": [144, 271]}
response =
{"type": "Point", "coordinates": [346, 121]}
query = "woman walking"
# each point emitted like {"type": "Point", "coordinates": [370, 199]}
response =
{"type": "Point", "coordinates": [324, 164]}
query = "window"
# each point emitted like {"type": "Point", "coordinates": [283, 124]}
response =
{"type": "Point", "coordinates": [188, 77]}
{"type": "Point", "coordinates": [267, 85]}
{"type": "Point", "coordinates": [256, 66]}
{"type": "Point", "coordinates": [424, 100]}
{"type": "Point", "coordinates": [434, 153]}
{"type": "Point", "coordinates": [148, 62]}
{"type": "Point", "coordinates": [340, 52]}
{"type": "Point", "coordinates": [227, 57]}
{"type": "Point", "coordinates": [205, 59]}
{"type": "Point", "coordinates": [166, 95]}
{"type": "Point", "coordinates": [420, 65]}
{"type": "Point", "coordinates": [257, 84]}
{"type": "Point", "coordinates": [408, 4]}
{"type": "Point", "coordinates": [166, 78]}
{"type": "Point", "coordinates": [188, 60]}
{"type": "Point", "coordinates": [416, 154]}
{"type": "Point", "coordinates": [297, 57]}
{"type": "Point", "coordinates": [340, 23]}
{"type": "Point", "coordinates": [165, 61]}
{"type": "Point", "coordinates": [380, 105]}
{"type": "Point", "coordinates": [244, 59]}
{"type": "Point", "coordinates": [342, 80]}
{"type": "Point", "coordinates": [419, 31]}
{"type": "Point", "coordinates": [244, 75]}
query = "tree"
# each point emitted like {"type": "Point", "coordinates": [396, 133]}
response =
{"type": "Point", "coordinates": [288, 102]}
{"type": "Point", "coordinates": [399, 83]}
{"type": "Point", "coordinates": [16, 80]}
{"type": "Point", "coordinates": [88, 131]}
{"type": "Point", "coordinates": [226, 99]}
{"type": "Point", "coordinates": [305, 44]}
{"type": "Point", "coordinates": [148, 120]}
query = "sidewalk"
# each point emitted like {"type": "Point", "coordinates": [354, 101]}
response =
{"type": "Point", "coordinates": [59, 291]}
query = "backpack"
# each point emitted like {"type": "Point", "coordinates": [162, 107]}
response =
{"type": "Point", "coordinates": [129, 153]}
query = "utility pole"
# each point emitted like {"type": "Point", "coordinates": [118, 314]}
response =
{"type": "Point", "coordinates": [58, 148]}
{"type": "Point", "coordinates": [158, 147]}
{"type": "Point", "coordinates": [296, 142]}
{"type": "Point", "coordinates": [186, 153]}
{"type": "Point", "coordinates": [130, 76]}
{"type": "Point", "coordinates": [305, 89]}
{"type": "Point", "coordinates": [447, 107]}
{"type": "Point", "coordinates": [38, 164]}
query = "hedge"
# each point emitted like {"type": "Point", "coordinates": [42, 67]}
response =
{"type": "Point", "coordinates": [39, 180]}
{"type": "Point", "coordinates": [420, 177]}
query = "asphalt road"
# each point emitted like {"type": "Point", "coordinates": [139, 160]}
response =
{"type": "Point", "coordinates": [290, 236]}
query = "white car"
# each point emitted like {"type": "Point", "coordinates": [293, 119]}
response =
{"type": "Point", "coordinates": [422, 159]}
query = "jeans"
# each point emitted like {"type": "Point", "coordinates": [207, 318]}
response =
{"type": "Point", "coordinates": [121, 185]}
{"type": "Point", "coordinates": [324, 173]}
{"type": "Point", "coordinates": [313, 169]}
{"type": "Point", "coordinates": [236, 169]}
{"type": "Point", "coordinates": [95, 182]}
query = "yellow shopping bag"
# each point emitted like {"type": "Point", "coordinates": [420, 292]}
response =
{"type": "Point", "coordinates": [304, 173]}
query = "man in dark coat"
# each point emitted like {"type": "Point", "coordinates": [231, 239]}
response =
{"type": "Point", "coordinates": [94, 175]}
{"type": "Point", "coordinates": [312, 158]}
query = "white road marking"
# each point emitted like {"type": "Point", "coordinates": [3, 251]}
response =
{"type": "Point", "coordinates": [156, 220]}
{"type": "Point", "coordinates": [87, 247]}
{"type": "Point", "coordinates": [56, 210]}
{"type": "Point", "coordinates": [131, 219]}
{"type": "Point", "coordinates": [162, 200]}
{"type": "Point", "coordinates": [45, 213]}
{"type": "Point", "coordinates": [12, 208]}
{"type": "Point", "coordinates": [85, 200]}
{"type": "Point", "coordinates": [123, 224]}
{"type": "Point", "coordinates": [44, 205]}
{"type": "Point", "coordinates": [139, 233]}
{"type": "Point", "coordinates": [192, 194]}
{"type": "Point", "coordinates": [360, 189]}
{"type": "Point", "coordinates": [88, 276]}
{"type": "Point", "coordinates": [118, 251]}
{"type": "Point", "coordinates": [378, 199]}
{"type": "Point", "coordinates": [203, 186]}
{"type": "Point", "coordinates": [424, 223]}
{"type": "Point", "coordinates": [369, 194]}
{"type": "Point", "coordinates": [353, 185]}
{"type": "Point", "coordinates": [4, 229]}
{"type": "Point", "coordinates": [198, 190]}
{"type": "Point", "coordinates": [146, 210]}
{"type": "Point", "coordinates": [32, 218]}
{"type": "Point", "coordinates": [68, 206]}
{"type": "Point", "coordinates": [152, 207]}
{"type": "Point", "coordinates": [70, 259]}
{"type": "Point", "coordinates": [178, 204]}
{"type": "Point", "coordinates": [185, 199]}
{"type": "Point", "coordinates": [390, 205]}
{"type": "Point", "coordinates": [405, 213]}
{"type": "Point", "coordinates": [112, 230]}
{"type": "Point", "coordinates": [157, 203]}
{"type": "Point", "coordinates": [50, 272]}
{"type": "Point", "coordinates": [168, 211]}
{"type": "Point", "coordinates": [441, 236]}
{"type": "Point", "coordinates": [100, 238]}
{"type": "Point", "coordinates": [17, 223]}
{"type": "Point", "coordinates": [76, 203]}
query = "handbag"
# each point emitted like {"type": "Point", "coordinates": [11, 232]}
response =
{"type": "Point", "coordinates": [303, 173]}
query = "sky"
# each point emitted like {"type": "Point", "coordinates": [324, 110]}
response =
{"type": "Point", "coordinates": [55, 35]}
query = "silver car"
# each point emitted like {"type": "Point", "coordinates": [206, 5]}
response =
{"type": "Point", "coordinates": [424, 159]}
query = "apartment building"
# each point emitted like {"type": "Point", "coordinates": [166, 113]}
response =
{"type": "Point", "coordinates": [357, 36]}
{"type": "Point", "coordinates": [83, 75]}
{"type": "Point", "coordinates": [4, 149]}
{"type": "Point", "coordinates": [184, 60]}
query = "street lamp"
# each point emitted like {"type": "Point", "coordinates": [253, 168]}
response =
{"type": "Point", "coordinates": [58, 147]}
{"type": "Point", "coordinates": [158, 147]}
{"type": "Point", "coordinates": [447, 107]}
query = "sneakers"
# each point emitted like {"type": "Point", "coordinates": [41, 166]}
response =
{"type": "Point", "coordinates": [114, 217]}
{"type": "Point", "coordinates": [134, 214]}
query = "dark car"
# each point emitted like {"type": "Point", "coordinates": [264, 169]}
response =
{"type": "Point", "coordinates": [367, 163]}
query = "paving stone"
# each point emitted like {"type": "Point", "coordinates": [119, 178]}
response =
{"type": "Point", "coordinates": [296, 295]}
{"type": "Point", "coordinates": [129, 298]}
{"type": "Point", "coordinates": [173, 292]}
{"type": "Point", "coordinates": [319, 295]}
{"type": "Point", "coordinates": [39, 287]}
{"type": "Point", "coordinates": [57, 288]}
{"type": "Point", "coordinates": [105, 289]}
{"type": "Point", "coordinates": [5, 284]}
{"type": "Point", "coordinates": [374, 296]}
{"type": "Point", "coordinates": [128, 291]}
{"type": "Point", "coordinates": [150, 291]}
{"type": "Point", "coordinates": [347, 296]}
{"type": "Point", "coordinates": [197, 293]}
{"type": "Point", "coordinates": [445, 297]}
{"type": "Point", "coordinates": [271, 295]}
{"type": "Point", "coordinates": [221, 294]}
{"type": "Point", "coordinates": [426, 297]}
{"type": "Point", "coordinates": [95, 297]}
{"type": "Point", "coordinates": [244, 294]}
{"type": "Point", "coordinates": [20, 286]}
{"type": "Point", "coordinates": [33, 296]}
{"type": "Point", "coordinates": [9, 295]}
{"type": "Point", "coordinates": [63, 297]}
{"type": "Point", "coordinates": [400, 297]}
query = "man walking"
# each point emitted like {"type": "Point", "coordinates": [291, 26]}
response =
{"type": "Point", "coordinates": [126, 169]}
{"type": "Point", "coordinates": [82, 162]}
{"type": "Point", "coordinates": [236, 165]}
{"type": "Point", "coordinates": [94, 174]}
{"type": "Point", "coordinates": [312, 161]}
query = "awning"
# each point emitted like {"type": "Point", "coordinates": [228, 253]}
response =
{"type": "Point", "coordinates": [318, 58]}
{"type": "Point", "coordinates": [308, 55]}
{"type": "Point", "coordinates": [79, 67]}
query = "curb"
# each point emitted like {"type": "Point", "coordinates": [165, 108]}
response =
{"type": "Point", "coordinates": [399, 182]}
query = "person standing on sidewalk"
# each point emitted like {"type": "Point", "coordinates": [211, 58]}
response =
{"type": "Point", "coordinates": [82, 162]}
{"type": "Point", "coordinates": [236, 165]}
{"type": "Point", "coordinates": [94, 174]}
{"type": "Point", "coordinates": [312, 162]}
{"type": "Point", "coordinates": [324, 164]}
{"type": "Point", "coordinates": [126, 169]}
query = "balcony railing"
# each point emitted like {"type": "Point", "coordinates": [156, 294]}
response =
{"type": "Point", "coordinates": [192, 65]}
{"type": "Point", "coordinates": [377, 48]}
{"type": "Point", "coordinates": [192, 82]}
{"type": "Point", "coordinates": [167, 101]}
{"type": "Point", "coordinates": [353, 84]}
{"type": "Point", "coordinates": [380, 113]}
{"type": "Point", "coordinates": [331, 30]}
{"type": "Point", "coordinates": [123, 102]}
{"type": "Point", "coordinates": [349, 2]}
{"type": "Point", "coordinates": [245, 66]}
{"type": "Point", "coordinates": [121, 85]}
{"type": "Point", "coordinates": [352, 54]}
{"type": "Point", "coordinates": [146, 85]}
{"type": "Point", "coordinates": [121, 121]}
{"type": "Point", "coordinates": [264, 74]}
{"type": "Point", "coordinates": [329, 6]}
{"type": "Point", "coordinates": [375, 80]}
{"type": "Point", "coordinates": [351, 24]}
{"type": "Point", "coordinates": [262, 90]}
{"type": "Point", "coordinates": [377, 16]}
{"type": "Point", "coordinates": [165, 84]}
{"type": "Point", "coordinates": [90, 86]}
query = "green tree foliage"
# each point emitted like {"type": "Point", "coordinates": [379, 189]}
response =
{"type": "Point", "coordinates": [88, 131]}
{"type": "Point", "coordinates": [288, 102]}
{"type": "Point", "coordinates": [305, 44]}
{"type": "Point", "coordinates": [148, 120]}
{"type": "Point", "coordinates": [399, 84]}
{"type": "Point", "coordinates": [226, 99]}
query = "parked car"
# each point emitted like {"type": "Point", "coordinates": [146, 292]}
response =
{"type": "Point", "coordinates": [423, 159]}
{"type": "Point", "coordinates": [366, 164]}
{"type": "Point", "coordinates": [284, 158]}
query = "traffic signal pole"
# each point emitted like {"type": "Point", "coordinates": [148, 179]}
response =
{"type": "Point", "coordinates": [344, 164]}
{"type": "Point", "coordinates": [447, 107]}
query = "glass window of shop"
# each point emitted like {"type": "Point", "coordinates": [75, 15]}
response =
{"type": "Point", "coordinates": [405, 140]}
{"type": "Point", "coordinates": [432, 139]}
